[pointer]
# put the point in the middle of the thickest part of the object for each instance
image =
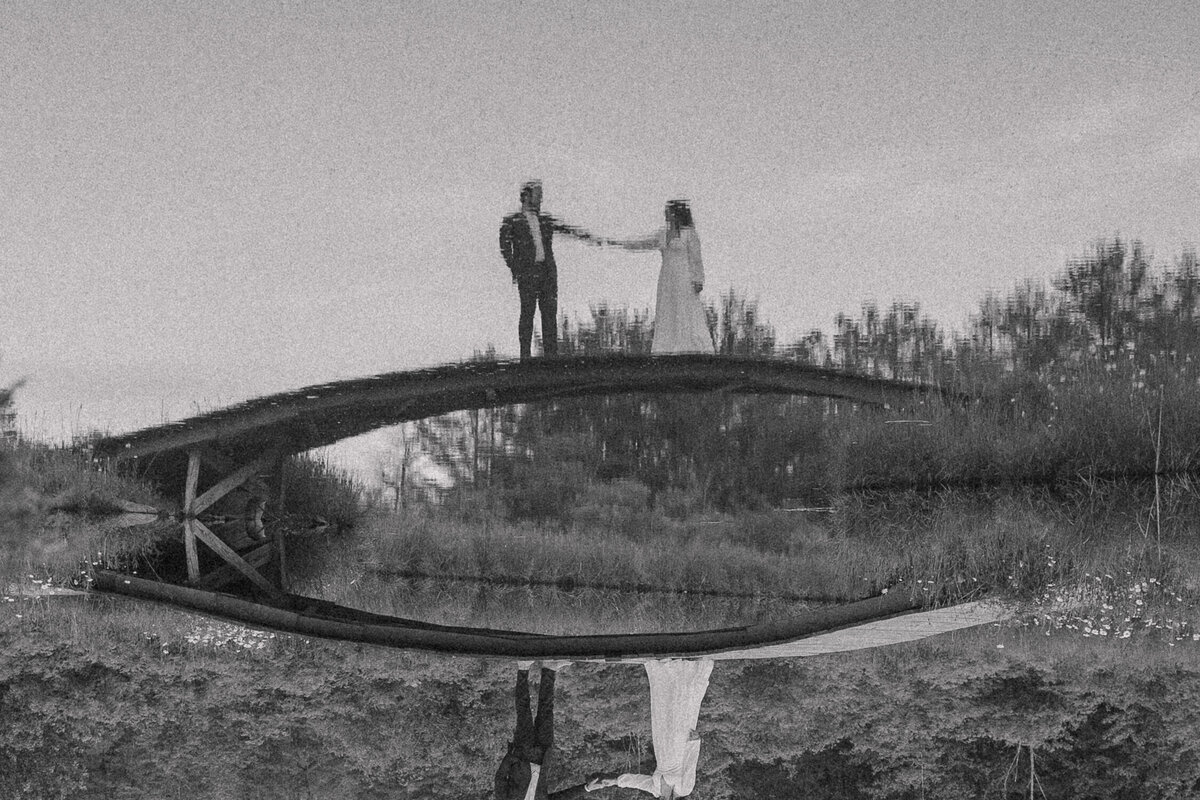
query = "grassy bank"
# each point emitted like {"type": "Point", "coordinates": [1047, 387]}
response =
{"type": "Point", "coordinates": [57, 509]}
{"type": "Point", "coordinates": [111, 698]}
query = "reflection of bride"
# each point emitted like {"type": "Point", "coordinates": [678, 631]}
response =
{"type": "Point", "coordinates": [680, 324]}
{"type": "Point", "coordinates": [677, 689]}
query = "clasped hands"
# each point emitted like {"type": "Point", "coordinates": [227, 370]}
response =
{"type": "Point", "coordinates": [598, 780]}
{"type": "Point", "coordinates": [604, 241]}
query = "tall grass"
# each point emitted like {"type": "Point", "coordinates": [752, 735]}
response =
{"type": "Point", "coordinates": [56, 509]}
{"type": "Point", "coordinates": [1071, 559]}
{"type": "Point", "coordinates": [322, 493]}
{"type": "Point", "coordinates": [1118, 422]}
{"type": "Point", "coordinates": [701, 556]}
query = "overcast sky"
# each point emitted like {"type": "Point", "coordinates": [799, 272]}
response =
{"type": "Point", "coordinates": [203, 202]}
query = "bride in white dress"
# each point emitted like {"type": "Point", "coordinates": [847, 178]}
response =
{"type": "Point", "coordinates": [680, 325]}
{"type": "Point", "coordinates": [677, 689]}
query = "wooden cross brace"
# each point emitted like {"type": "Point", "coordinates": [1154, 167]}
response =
{"type": "Point", "coordinates": [194, 504]}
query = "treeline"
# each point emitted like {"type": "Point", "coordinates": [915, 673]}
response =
{"type": "Point", "coordinates": [1109, 305]}
{"type": "Point", "coordinates": [1090, 377]}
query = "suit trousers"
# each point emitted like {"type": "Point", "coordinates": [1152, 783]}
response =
{"type": "Point", "coordinates": [532, 742]}
{"type": "Point", "coordinates": [538, 291]}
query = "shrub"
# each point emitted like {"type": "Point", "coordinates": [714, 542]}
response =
{"type": "Point", "coordinates": [317, 491]}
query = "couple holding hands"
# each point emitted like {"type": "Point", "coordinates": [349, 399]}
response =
{"type": "Point", "coordinates": [526, 243]}
{"type": "Point", "coordinates": [677, 689]}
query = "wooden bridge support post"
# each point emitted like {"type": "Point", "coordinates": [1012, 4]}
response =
{"type": "Point", "coordinates": [189, 502]}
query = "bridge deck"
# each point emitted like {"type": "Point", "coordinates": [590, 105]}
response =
{"type": "Point", "coordinates": [320, 415]}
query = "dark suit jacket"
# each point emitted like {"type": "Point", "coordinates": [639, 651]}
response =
{"type": "Point", "coordinates": [519, 251]}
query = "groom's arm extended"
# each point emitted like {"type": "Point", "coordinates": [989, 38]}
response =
{"type": "Point", "coordinates": [574, 230]}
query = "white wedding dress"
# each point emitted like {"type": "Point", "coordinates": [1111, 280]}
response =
{"type": "Point", "coordinates": [677, 689]}
{"type": "Point", "coordinates": [680, 325]}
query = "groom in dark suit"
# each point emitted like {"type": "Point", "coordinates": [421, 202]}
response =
{"type": "Point", "coordinates": [526, 242]}
{"type": "Point", "coordinates": [523, 772]}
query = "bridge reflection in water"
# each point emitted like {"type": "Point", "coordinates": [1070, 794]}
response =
{"type": "Point", "coordinates": [226, 468]}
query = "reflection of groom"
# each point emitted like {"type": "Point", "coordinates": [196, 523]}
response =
{"type": "Point", "coordinates": [522, 774]}
{"type": "Point", "coordinates": [526, 242]}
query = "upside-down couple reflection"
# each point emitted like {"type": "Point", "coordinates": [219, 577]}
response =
{"type": "Point", "coordinates": [677, 689]}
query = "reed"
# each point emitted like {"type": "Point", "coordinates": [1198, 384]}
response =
{"type": "Point", "coordinates": [315, 488]}
{"type": "Point", "coordinates": [714, 555]}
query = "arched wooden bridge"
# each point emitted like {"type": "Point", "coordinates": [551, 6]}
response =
{"type": "Point", "coordinates": [225, 466]}
{"type": "Point", "coordinates": [323, 414]}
